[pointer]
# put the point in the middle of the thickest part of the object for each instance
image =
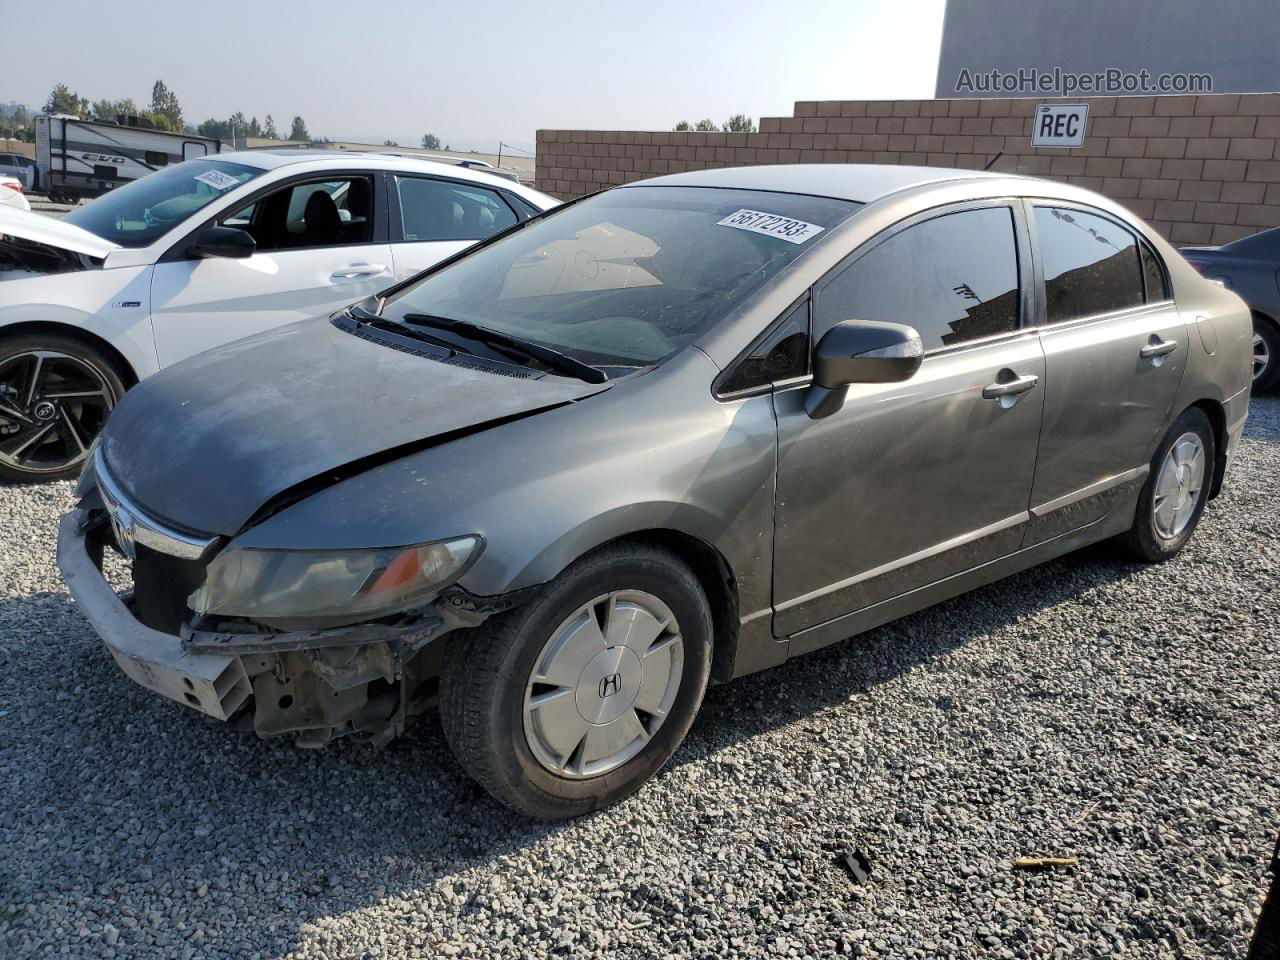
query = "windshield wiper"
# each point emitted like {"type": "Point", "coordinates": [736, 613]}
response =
{"type": "Point", "coordinates": [557, 361]}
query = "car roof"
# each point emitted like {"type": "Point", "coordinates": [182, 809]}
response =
{"type": "Point", "coordinates": [859, 182]}
{"type": "Point", "coordinates": [273, 158]}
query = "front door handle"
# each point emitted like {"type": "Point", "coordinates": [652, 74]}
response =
{"type": "Point", "coordinates": [356, 271]}
{"type": "Point", "coordinates": [1010, 388]}
{"type": "Point", "coordinates": [1158, 348]}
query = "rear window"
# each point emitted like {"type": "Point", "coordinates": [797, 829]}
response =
{"type": "Point", "coordinates": [1091, 264]}
{"type": "Point", "coordinates": [139, 213]}
{"type": "Point", "coordinates": [629, 277]}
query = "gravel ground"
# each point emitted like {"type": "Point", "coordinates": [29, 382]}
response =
{"type": "Point", "coordinates": [1120, 714]}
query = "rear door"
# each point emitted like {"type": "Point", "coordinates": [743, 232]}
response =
{"type": "Point", "coordinates": [910, 483]}
{"type": "Point", "coordinates": [1115, 350]}
{"type": "Point", "coordinates": [321, 245]}
{"type": "Point", "coordinates": [432, 219]}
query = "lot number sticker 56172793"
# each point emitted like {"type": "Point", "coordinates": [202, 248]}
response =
{"type": "Point", "coordinates": [771, 225]}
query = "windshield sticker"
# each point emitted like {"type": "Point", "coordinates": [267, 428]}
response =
{"type": "Point", "coordinates": [221, 181]}
{"type": "Point", "coordinates": [771, 225]}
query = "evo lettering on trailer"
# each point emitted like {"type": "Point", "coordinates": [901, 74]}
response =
{"type": "Point", "coordinates": [1060, 125]}
{"type": "Point", "coordinates": [771, 225]}
{"type": "Point", "coordinates": [104, 158]}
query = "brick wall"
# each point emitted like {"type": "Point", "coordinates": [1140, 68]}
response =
{"type": "Point", "coordinates": [1200, 169]}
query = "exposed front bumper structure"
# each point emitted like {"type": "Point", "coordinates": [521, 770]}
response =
{"type": "Point", "coordinates": [216, 685]}
{"type": "Point", "coordinates": [367, 679]}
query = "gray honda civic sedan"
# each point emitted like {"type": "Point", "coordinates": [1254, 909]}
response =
{"type": "Point", "coordinates": [666, 435]}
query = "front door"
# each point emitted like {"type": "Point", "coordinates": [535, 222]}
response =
{"type": "Point", "coordinates": [909, 483]}
{"type": "Point", "coordinates": [1115, 349]}
{"type": "Point", "coordinates": [318, 249]}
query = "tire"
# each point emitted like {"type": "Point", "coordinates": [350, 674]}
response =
{"type": "Point", "coordinates": [1266, 355]}
{"type": "Point", "coordinates": [487, 681]}
{"type": "Point", "coordinates": [63, 365]}
{"type": "Point", "coordinates": [1167, 515]}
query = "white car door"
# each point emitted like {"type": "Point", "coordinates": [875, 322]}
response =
{"type": "Point", "coordinates": [435, 218]}
{"type": "Point", "coordinates": [321, 244]}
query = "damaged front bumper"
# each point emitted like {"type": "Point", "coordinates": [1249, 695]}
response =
{"type": "Point", "coordinates": [366, 679]}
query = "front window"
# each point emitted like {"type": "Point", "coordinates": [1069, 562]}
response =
{"type": "Point", "coordinates": [141, 212]}
{"type": "Point", "coordinates": [953, 277]}
{"type": "Point", "coordinates": [631, 276]}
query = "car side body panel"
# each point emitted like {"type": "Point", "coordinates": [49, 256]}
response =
{"type": "Point", "coordinates": [112, 305]}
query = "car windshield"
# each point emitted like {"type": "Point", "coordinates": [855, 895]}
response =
{"type": "Point", "coordinates": [631, 276]}
{"type": "Point", "coordinates": [141, 212]}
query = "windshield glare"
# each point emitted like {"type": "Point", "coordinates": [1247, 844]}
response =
{"type": "Point", "coordinates": [140, 212]}
{"type": "Point", "coordinates": [630, 277]}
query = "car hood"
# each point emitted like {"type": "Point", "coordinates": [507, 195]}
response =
{"type": "Point", "coordinates": [205, 444]}
{"type": "Point", "coordinates": [38, 228]}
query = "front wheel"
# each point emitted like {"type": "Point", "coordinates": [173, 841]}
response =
{"type": "Point", "coordinates": [1176, 490]}
{"type": "Point", "coordinates": [573, 701]}
{"type": "Point", "coordinates": [55, 394]}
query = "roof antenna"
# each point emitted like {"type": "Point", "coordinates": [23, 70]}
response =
{"type": "Point", "coordinates": [992, 163]}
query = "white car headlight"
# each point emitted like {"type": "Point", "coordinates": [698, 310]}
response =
{"type": "Point", "coordinates": [330, 586]}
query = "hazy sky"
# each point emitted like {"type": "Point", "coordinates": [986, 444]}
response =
{"type": "Point", "coordinates": [474, 72]}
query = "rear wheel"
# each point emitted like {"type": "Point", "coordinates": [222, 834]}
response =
{"type": "Point", "coordinates": [1176, 490]}
{"type": "Point", "coordinates": [55, 394]}
{"type": "Point", "coordinates": [1266, 355]}
{"type": "Point", "coordinates": [573, 701]}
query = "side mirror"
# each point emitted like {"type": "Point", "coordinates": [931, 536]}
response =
{"type": "Point", "coordinates": [228, 242]}
{"type": "Point", "coordinates": [860, 351]}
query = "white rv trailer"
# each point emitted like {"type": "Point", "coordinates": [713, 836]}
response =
{"type": "Point", "coordinates": [86, 158]}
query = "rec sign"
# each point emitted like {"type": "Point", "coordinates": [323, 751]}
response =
{"type": "Point", "coordinates": [1059, 125]}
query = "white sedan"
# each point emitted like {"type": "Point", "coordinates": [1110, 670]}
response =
{"type": "Point", "coordinates": [202, 253]}
{"type": "Point", "coordinates": [12, 194]}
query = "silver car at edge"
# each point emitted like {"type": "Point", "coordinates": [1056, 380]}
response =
{"type": "Point", "coordinates": [669, 434]}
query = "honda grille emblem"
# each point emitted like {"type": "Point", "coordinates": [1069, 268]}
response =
{"type": "Point", "coordinates": [122, 524]}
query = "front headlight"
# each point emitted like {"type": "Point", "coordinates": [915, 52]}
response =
{"type": "Point", "coordinates": [339, 586]}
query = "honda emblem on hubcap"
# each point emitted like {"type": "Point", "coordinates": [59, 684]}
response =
{"type": "Point", "coordinates": [610, 685]}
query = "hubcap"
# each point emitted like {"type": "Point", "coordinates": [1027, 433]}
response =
{"type": "Point", "coordinates": [1178, 486]}
{"type": "Point", "coordinates": [1261, 355]}
{"type": "Point", "coordinates": [51, 406]}
{"type": "Point", "coordinates": [603, 684]}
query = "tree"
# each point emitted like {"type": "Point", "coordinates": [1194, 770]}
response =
{"type": "Point", "coordinates": [683, 126]}
{"type": "Point", "coordinates": [739, 123]}
{"type": "Point", "coordinates": [269, 130]}
{"type": "Point", "coordinates": [255, 131]}
{"type": "Point", "coordinates": [239, 128]}
{"type": "Point", "coordinates": [299, 130]}
{"type": "Point", "coordinates": [217, 129]}
{"type": "Point", "coordinates": [110, 109]}
{"type": "Point", "coordinates": [705, 126]}
{"type": "Point", "coordinates": [63, 100]}
{"type": "Point", "coordinates": [390, 143]}
{"type": "Point", "coordinates": [16, 122]}
{"type": "Point", "coordinates": [430, 141]}
{"type": "Point", "coordinates": [165, 102]}
{"type": "Point", "coordinates": [161, 121]}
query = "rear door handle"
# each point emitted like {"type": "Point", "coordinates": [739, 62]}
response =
{"type": "Point", "coordinates": [1010, 388]}
{"type": "Point", "coordinates": [356, 271]}
{"type": "Point", "coordinates": [1158, 348]}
